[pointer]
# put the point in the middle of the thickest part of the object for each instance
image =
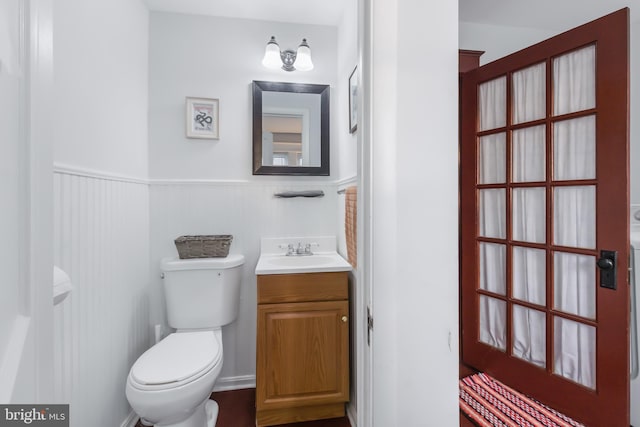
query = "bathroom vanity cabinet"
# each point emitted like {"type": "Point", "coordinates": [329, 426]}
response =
{"type": "Point", "coordinates": [302, 370]}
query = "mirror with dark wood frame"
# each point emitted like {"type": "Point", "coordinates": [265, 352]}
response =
{"type": "Point", "coordinates": [290, 129]}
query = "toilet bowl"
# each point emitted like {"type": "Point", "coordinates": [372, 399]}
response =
{"type": "Point", "coordinates": [170, 384]}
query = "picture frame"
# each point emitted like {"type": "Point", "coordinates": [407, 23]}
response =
{"type": "Point", "coordinates": [353, 100]}
{"type": "Point", "coordinates": [202, 118]}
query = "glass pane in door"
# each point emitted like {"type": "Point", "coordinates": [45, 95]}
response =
{"type": "Point", "coordinates": [529, 93]}
{"type": "Point", "coordinates": [492, 213]}
{"type": "Point", "coordinates": [574, 81]}
{"type": "Point", "coordinates": [529, 335]}
{"type": "Point", "coordinates": [574, 216]}
{"type": "Point", "coordinates": [528, 214]}
{"type": "Point", "coordinates": [574, 351]}
{"type": "Point", "coordinates": [574, 149]}
{"type": "Point", "coordinates": [493, 162]}
{"type": "Point", "coordinates": [492, 107]}
{"type": "Point", "coordinates": [529, 270]}
{"type": "Point", "coordinates": [574, 284]}
{"type": "Point", "coordinates": [493, 318]}
{"type": "Point", "coordinates": [528, 154]}
{"type": "Point", "coordinates": [493, 268]}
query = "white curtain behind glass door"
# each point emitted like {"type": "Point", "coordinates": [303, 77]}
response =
{"type": "Point", "coordinates": [573, 209]}
{"type": "Point", "coordinates": [574, 215]}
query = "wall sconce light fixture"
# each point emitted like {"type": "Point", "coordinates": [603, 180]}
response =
{"type": "Point", "coordinates": [288, 60]}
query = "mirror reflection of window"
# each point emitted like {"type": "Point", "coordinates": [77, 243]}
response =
{"type": "Point", "coordinates": [280, 159]}
{"type": "Point", "coordinates": [284, 137]}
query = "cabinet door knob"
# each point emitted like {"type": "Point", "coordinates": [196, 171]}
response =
{"type": "Point", "coordinates": [344, 319]}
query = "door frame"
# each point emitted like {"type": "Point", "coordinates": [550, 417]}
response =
{"type": "Point", "coordinates": [364, 226]}
{"type": "Point", "coordinates": [28, 365]}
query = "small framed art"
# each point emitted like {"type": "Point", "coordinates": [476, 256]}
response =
{"type": "Point", "coordinates": [353, 100]}
{"type": "Point", "coordinates": [202, 118]}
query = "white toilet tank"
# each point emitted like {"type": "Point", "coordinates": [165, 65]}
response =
{"type": "Point", "coordinates": [202, 293]}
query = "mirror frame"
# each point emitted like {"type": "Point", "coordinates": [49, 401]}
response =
{"type": "Point", "coordinates": [323, 90]}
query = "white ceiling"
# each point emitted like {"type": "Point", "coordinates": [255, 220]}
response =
{"type": "Point", "coordinates": [556, 15]}
{"type": "Point", "coordinates": [321, 12]}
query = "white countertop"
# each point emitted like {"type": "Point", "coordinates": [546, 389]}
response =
{"type": "Point", "coordinates": [274, 260]}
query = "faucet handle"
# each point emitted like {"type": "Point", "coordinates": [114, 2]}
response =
{"type": "Point", "coordinates": [288, 247]}
{"type": "Point", "coordinates": [307, 248]}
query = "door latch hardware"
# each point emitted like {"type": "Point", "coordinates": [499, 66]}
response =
{"type": "Point", "coordinates": [369, 325]}
{"type": "Point", "coordinates": [608, 264]}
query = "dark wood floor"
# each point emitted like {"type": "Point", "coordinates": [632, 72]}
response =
{"type": "Point", "coordinates": [237, 409]}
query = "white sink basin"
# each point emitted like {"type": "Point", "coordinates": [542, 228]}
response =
{"type": "Point", "coordinates": [283, 264]}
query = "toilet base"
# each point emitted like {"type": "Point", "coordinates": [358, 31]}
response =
{"type": "Point", "coordinates": [206, 416]}
{"type": "Point", "coordinates": [211, 408]}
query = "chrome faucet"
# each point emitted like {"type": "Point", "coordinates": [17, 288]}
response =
{"type": "Point", "coordinates": [299, 250]}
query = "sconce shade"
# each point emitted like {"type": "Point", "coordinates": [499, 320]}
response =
{"type": "Point", "coordinates": [303, 57]}
{"type": "Point", "coordinates": [272, 55]}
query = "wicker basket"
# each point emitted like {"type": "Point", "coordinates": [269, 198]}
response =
{"type": "Point", "coordinates": [203, 246]}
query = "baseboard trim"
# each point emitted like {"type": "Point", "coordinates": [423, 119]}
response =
{"type": "Point", "coordinates": [352, 415]}
{"type": "Point", "coordinates": [130, 421]}
{"type": "Point", "coordinates": [235, 383]}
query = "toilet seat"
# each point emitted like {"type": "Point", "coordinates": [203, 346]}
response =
{"type": "Point", "coordinates": [158, 368]}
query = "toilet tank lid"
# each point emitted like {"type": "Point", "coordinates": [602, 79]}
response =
{"type": "Point", "coordinates": [177, 264]}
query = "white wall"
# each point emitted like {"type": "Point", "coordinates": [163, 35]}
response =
{"type": "Point", "coordinates": [101, 202]}
{"type": "Point", "coordinates": [219, 58]}
{"type": "Point", "coordinates": [414, 185]}
{"type": "Point", "coordinates": [345, 165]}
{"type": "Point", "coordinates": [101, 85]}
{"type": "Point", "coordinates": [499, 41]}
{"type": "Point", "coordinates": [11, 158]}
{"type": "Point", "coordinates": [635, 113]}
{"type": "Point", "coordinates": [206, 186]}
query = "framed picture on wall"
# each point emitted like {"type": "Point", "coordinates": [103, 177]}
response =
{"type": "Point", "coordinates": [353, 100]}
{"type": "Point", "coordinates": [202, 118]}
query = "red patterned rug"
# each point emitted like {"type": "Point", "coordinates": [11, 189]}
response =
{"type": "Point", "coordinates": [489, 403]}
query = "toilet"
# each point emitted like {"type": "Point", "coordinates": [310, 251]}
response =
{"type": "Point", "coordinates": [170, 384]}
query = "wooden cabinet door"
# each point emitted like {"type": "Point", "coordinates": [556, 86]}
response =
{"type": "Point", "coordinates": [302, 356]}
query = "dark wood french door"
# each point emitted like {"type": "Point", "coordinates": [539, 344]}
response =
{"type": "Point", "coordinates": [544, 190]}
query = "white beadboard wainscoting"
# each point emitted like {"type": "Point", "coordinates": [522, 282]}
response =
{"type": "Point", "coordinates": [101, 239]}
{"type": "Point", "coordinates": [111, 233]}
{"type": "Point", "coordinates": [248, 210]}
